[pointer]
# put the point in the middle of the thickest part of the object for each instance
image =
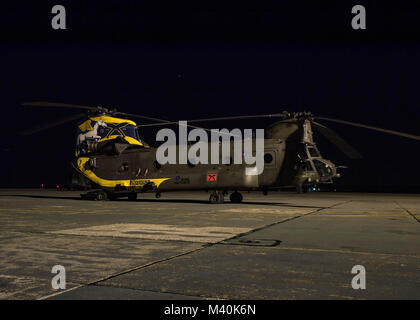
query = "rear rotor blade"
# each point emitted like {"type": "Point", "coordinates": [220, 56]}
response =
{"type": "Point", "coordinates": [397, 133]}
{"type": "Point", "coordinates": [52, 124]}
{"type": "Point", "coordinates": [275, 115]}
{"type": "Point", "coordinates": [339, 142]}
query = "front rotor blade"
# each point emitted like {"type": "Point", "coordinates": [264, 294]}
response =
{"type": "Point", "coordinates": [165, 122]}
{"type": "Point", "coordinates": [51, 124]}
{"type": "Point", "coordinates": [397, 133]}
{"type": "Point", "coordinates": [139, 116]}
{"type": "Point", "coordinates": [57, 105]}
{"type": "Point", "coordinates": [334, 138]}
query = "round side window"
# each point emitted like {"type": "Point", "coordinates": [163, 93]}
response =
{"type": "Point", "coordinates": [157, 165]}
{"type": "Point", "coordinates": [268, 158]}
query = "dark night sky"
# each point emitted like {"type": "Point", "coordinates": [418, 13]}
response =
{"type": "Point", "coordinates": [183, 61]}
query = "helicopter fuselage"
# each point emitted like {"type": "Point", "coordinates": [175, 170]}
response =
{"type": "Point", "coordinates": [136, 170]}
{"type": "Point", "coordinates": [137, 167]}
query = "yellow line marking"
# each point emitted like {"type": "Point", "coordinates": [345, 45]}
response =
{"type": "Point", "coordinates": [360, 215]}
{"type": "Point", "coordinates": [347, 252]}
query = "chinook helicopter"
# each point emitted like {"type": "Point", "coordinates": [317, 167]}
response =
{"type": "Point", "coordinates": [116, 162]}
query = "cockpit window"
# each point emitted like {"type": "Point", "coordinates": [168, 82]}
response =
{"type": "Point", "coordinates": [103, 131]}
{"type": "Point", "coordinates": [130, 131]}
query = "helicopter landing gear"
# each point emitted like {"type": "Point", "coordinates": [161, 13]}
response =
{"type": "Point", "coordinates": [236, 197]}
{"type": "Point", "coordinates": [132, 196]}
{"type": "Point", "coordinates": [216, 197]}
{"type": "Point", "coordinates": [300, 188]}
{"type": "Point", "coordinates": [97, 195]}
{"type": "Point", "coordinates": [101, 195]}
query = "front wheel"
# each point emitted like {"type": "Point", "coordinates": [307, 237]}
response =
{"type": "Point", "coordinates": [101, 195]}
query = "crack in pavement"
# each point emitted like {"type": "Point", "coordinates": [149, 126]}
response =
{"type": "Point", "coordinates": [408, 212]}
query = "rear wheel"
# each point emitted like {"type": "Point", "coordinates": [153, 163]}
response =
{"type": "Point", "coordinates": [236, 197]}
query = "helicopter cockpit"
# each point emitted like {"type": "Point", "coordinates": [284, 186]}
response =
{"type": "Point", "coordinates": [104, 128]}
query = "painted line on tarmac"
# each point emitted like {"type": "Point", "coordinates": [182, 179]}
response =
{"type": "Point", "coordinates": [346, 252]}
{"type": "Point", "coordinates": [369, 215]}
{"type": "Point", "coordinates": [157, 232]}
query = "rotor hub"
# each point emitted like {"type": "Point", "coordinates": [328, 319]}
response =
{"type": "Point", "coordinates": [303, 115]}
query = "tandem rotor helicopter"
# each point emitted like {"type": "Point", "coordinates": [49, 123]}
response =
{"type": "Point", "coordinates": [116, 162]}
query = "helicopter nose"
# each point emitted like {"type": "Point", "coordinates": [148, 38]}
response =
{"type": "Point", "coordinates": [326, 169]}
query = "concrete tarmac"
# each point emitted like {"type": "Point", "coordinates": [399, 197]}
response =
{"type": "Point", "coordinates": [280, 246]}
